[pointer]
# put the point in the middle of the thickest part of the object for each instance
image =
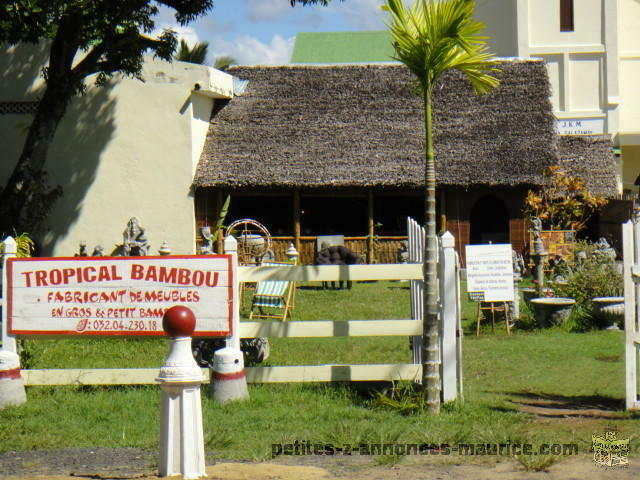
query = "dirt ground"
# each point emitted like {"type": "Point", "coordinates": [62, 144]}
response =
{"type": "Point", "coordinates": [128, 463]}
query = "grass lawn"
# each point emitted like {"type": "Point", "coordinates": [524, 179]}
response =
{"type": "Point", "coordinates": [505, 381]}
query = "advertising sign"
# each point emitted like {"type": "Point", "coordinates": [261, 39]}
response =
{"type": "Point", "coordinates": [117, 295]}
{"type": "Point", "coordinates": [580, 126]}
{"type": "Point", "coordinates": [490, 273]}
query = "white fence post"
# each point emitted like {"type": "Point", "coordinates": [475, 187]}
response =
{"type": "Point", "coordinates": [415, 234]}
{"type": "Point", "coordinates": [459, 331]}
{"type": "Point", "coordinates": [449, 317]}
{"type": "Point", "coordinates": [450, 321]}
{"type": "Point", "coordinates": [231, 248]}
{"type": "Point", "coordinates": [630, 246]}
{"type": "Point", "coordinates": [228, 378]}
{"type": "Point", "coordinates": [9, 250]}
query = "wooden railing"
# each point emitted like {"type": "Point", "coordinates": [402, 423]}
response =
{"type": "Point", "coordinates": [385, 249]}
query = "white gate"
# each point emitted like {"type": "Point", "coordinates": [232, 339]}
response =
{"type": "Point", "coordinates": [631, 255]}
{"type": "Point", "coordinates": [449, 308]}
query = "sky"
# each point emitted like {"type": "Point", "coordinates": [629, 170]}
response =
{"type": "Point", "coordinates": [263, 31]}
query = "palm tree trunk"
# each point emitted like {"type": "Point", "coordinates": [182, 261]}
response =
{"type": "Point", "coordinates": [430, 332]}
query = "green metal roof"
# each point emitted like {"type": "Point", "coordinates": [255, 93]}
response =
{"type": "Point", "coordinates": [343, 47]}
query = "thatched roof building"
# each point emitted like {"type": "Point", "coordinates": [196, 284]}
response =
{"type": "Point", "coordinates": [363, 126]}
{"type": "Point", "coordinates": [339, 149]}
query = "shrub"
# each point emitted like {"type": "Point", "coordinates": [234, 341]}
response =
{"type": "Point", "coordinates": [591, 275]}
{"type": "Point", "coordinates": [24, 245]}
{"type": "Point", "coordinates": [564, 202]}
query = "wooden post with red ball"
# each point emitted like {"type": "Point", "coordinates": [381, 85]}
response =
{"type": "Point", "coordinates": [181, 434]}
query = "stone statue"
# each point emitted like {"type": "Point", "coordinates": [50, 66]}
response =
{"type": "Point", "coordinates": [83, 250]}
{"type": "Point", "coordinates": [604, 250]}
{"type": "Point", "coordinates": [536, 227]}
{"type": "Point", "coordinates": [403, 252]}
{"type": "Point", "coordinates": [518, 265]}
{"type": "Point", "coordinates": [207, 244]}
{"type": "Point", "coordinates": [581, 256]}
{"type": "Point", "coordinates": [134, 240]}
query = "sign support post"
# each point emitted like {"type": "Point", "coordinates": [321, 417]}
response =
{"type": "Point", "coordinates": [490, 279]}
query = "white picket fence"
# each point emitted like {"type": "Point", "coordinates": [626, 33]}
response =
{"type": "Point", "coordinates": [631, 255]}
{"type": "Point", "coordinates": [451, 333]}
{"type": "Point", "coordinates": [450, 313]}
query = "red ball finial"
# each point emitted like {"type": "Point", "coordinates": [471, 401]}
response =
{"type": "Point", "coordinates": [179, 321]}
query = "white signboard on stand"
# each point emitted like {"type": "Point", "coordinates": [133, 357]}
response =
{"type": "Point", "coordinates": [117, 295]}
{"type": "Point", "coordinates": [490, 273]}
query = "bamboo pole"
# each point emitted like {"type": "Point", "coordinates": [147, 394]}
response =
{"type": "Point", "coordinates": [296, 220]}
{"type": "Point", "coordinates": [371, 227]}
{"type": "Point", "coordinates": [443, 210]}
{"type": "Point", "coordinates": [219, 202]}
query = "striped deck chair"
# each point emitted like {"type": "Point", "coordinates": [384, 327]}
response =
{"type": "Point", "coordinates": [273, 298]}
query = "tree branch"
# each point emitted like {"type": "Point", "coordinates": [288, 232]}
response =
{"type": "Point", "coordinates": [93, 62]}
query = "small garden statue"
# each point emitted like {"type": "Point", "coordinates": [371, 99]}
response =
{"type": "Point", "coordinates": [604, 249]}
{"type": "Point", "coordinates": [539, 254]}
{"type": "Point", "coordinates": [207, 244]}
{"type": "Point", "coordinates": [536, 229]}
{"type": "Point", "coordinates": [518, 265]}
{"type": "Point", "coordinates": [164, 249]}
{"type": "Point", "coordinates": [403, 252]}
{"type": "Point", "coordinates": [134, 240]}
{"type": "Point", "coordinates": [98, 251]}
{"type": "Point", "coordinates": [83, 249]}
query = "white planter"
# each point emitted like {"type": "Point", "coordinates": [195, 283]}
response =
{"type": "Point", "coordinates": [610, 310]}
{"type": "Point", "coordinates": [550, 311]}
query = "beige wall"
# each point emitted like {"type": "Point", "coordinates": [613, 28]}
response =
{"type": "Point", "coordinates": [593, 70]}
{"type": "Point", "coordinates": [544, 21]}
{"type": "Point", "coordinates": [577, 60]}
{"type": "Point", "coordinates": [128, 149]}
{"type": "Point", "coordinates": [500, 18]}
{"type": "Point", "coordinates": [630, 67]}
{"type": "Point", "coordinates": [631, 166]}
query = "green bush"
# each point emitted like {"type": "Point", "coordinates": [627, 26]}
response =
{"type": "Point", "coordinates": [593, 275]}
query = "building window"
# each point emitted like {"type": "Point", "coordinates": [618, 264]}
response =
{"type": "Point", "coordinates": [566, 16]}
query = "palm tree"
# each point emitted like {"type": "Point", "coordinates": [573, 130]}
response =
{"type": "Point", "coordinates": [197, 54]}
{"type": "Point", "coordinates": [223, 62]}
{"type": "Point", "coordinates": [431, 37]}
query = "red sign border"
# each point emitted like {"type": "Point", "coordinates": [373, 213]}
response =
{"type": "Point", "coordinates": [113, 333]}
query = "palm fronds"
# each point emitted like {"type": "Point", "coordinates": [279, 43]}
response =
{"type": "Point", "coordinates": [433, 36]}
{"type": "Point", "coordinates": [196, 54]}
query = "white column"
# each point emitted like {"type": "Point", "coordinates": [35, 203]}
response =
{"type": "Point", "coordinates": [231, 248]}
{"type": "Point", "coordinates": [9, 251]}
{"type": "Point", "coordinates": [449, 317]}
{"type": "Point", "coordinates": [181, 434]}
{"type": "Point", "coordinates": [228, 379]}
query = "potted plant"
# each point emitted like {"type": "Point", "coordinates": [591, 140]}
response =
{"type": "Point", "coordinates": [563, 204]}
{"type": "Point", "coordinates": [596, 284]}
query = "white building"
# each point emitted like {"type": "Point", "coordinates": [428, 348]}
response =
{"type": "Point", "coordinates": [592, 49]}
{"type": "Point", "coordinates": [128, 149]}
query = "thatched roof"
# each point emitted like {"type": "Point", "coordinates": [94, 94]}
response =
{"type": "Point", "coordinates": [590, 157]}
{"type": "Point", "coordinates": [363, 126]}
